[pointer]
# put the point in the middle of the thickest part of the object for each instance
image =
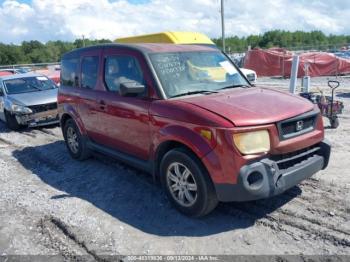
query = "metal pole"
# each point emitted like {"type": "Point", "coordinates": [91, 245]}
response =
{"type": "Point", "coordinates": [294, 74]}
{"type": "Point", "coordinates": [222, 25]}
{"type": "Point", "coordinates": [283, 61]}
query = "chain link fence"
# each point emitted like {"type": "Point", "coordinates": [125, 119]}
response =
{"type": "Point", "coordinates": [31, 67]}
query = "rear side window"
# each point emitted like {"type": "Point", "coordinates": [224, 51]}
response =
{"type": "Point", "coordinates": [121, 67]}
{"type": "Point", "coordinates": [69, 72]}
{"type": "Point", "coordinates": [89, 72]}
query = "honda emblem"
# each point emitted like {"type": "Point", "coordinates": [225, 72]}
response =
{"type": "Point", "coordinates": [300, 125]}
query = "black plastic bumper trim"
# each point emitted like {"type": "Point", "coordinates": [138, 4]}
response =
{"type": "Point", "coordinates": [274, 181]}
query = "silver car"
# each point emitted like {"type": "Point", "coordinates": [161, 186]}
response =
{"type": "Point", "coordinates": [28, 99]}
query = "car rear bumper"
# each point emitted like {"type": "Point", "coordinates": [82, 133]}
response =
{"type": "Point", "coordinates": [271, 176]}
{"type": "Point", "coordinates": [39, 119]}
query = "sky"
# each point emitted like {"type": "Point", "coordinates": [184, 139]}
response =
{"type": "Point", "coordinates": [67, 20]}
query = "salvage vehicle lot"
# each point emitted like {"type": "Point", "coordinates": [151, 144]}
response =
{"type": "Point", "coordinates": [52, 204]}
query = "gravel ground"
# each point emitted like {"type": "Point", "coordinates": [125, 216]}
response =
{"type": "Point", "coordinates": [51, 204]}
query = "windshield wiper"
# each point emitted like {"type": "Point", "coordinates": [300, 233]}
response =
{"type": "Point", "coordinates": [194, 92]}
{"type": "Point", "coordinates": [233, 86]}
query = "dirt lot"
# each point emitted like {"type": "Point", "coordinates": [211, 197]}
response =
{"type": "Point", "coordinates": [51, 204]}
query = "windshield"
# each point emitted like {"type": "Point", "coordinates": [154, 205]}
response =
{"type": "Point", "coordinates": [28, 84]}
{"type": "Point", "coordinates": [184, 73]}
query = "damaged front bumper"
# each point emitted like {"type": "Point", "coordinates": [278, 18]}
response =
{"type": "Point", "coordinates": [38, 119]}
{"type": "Point", "coordinates": [272, 176]}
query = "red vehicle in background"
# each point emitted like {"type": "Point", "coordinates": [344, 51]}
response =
{"type": "Point", "coordinates": [8, 71]}
{"type": "Point", "coordinates": [5, 73]}
{"type": "Point", "coordinates": [53, 74]}
{"type": "Point", "coordinates": [12, 71]}
{"type": "Point", "coordinates": [207, 140]}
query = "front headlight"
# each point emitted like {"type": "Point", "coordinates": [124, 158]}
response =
{"type": "Point", "coordinates": [252, 142]}
{"type": "Point", "coordinates": [21, 109]}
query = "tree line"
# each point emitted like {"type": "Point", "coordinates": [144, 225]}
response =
{"type": "Point", "coordinates": [29, 52]}
{"type": "Point", "coordinates": [298, 40]}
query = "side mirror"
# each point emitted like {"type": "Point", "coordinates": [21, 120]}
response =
{"type": "Point", "coordinates": [1, 92]}
{"type": "Point", "coordinates": [130, 87]}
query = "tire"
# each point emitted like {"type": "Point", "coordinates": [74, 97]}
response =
{"type": "Point", "coordinates": [75, 142]}
{"type": "Point", "coordinates": [194, 203]}
{"type": "Point", "coordinates": [334, 122]}
{"type": "Point", "coordinates": [12, 123]}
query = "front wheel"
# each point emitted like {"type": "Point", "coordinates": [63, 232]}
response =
{"type": "Point", "coordinates": [75, 142]}
{"type": "Point", "coordinates": [12, 122]}
{"type": "Point", "coordinates": [187, 183]}
{"type": "Point", "coordinates": [334, 121]}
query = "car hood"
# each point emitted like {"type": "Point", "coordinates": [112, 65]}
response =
{"type": "Point", "coordinates": [252, 106]}
{"type": "Point", "coordinates": [34, 98]}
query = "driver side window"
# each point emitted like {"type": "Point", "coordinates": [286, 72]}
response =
{"type": "Point", "coordinates": [119, 67]}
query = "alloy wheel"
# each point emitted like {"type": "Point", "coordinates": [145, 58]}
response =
{"type": "Point", "coordinates": [182, 185]}
{"type": "Point", "coordinates": [72, 140]}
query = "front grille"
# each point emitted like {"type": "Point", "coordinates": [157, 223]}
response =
{"type": "Point", "coordinates": [292, 159]}
{"type": "Point", "coordinates": [297, 126]}
{"type": "Point", "coordinates": [291, 127]}
{"type": "Point", "coordinates": [43, 108]}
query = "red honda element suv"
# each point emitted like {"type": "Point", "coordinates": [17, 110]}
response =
{"type": "Point", "coordinates": [187, 115]}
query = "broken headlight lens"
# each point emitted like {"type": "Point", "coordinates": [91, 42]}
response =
{"type": "Point", "coordinates": [20, 109]}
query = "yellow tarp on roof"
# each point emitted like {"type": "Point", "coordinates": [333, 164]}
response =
{"type": "Point", "coordinates": [168, 37]}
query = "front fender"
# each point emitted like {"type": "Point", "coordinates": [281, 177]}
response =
{"type": "Point", "coordinates": [7, 105]}
{"type": "Point", "coordinates": [67, 109]}
{"type": "Point", "coordinates": [189, 137]}
{"type": "Point", "coordinates": [8, 102]}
